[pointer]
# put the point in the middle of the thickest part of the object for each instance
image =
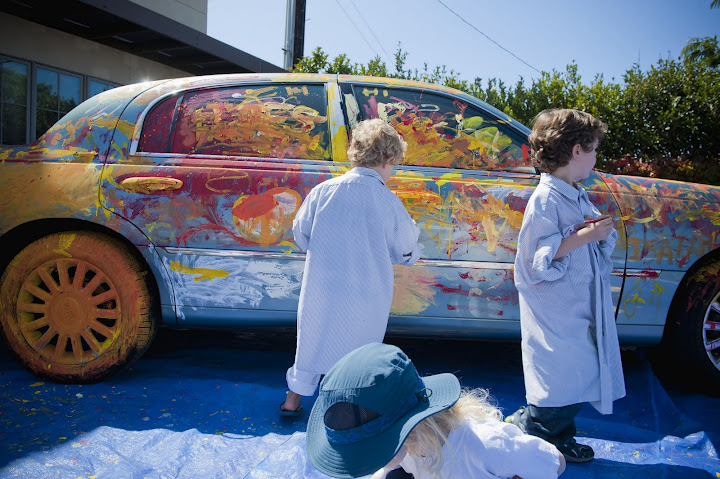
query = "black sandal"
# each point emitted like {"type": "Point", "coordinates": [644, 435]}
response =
{"type": "Point", "coordinates": [576, 452]}
{"type": "Point", "coordinates": [290, 413]}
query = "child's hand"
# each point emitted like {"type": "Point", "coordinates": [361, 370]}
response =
{"type": "Point", "coordinates": [596, 229]}
{"type": "Point", "coordinates": [391, 465]}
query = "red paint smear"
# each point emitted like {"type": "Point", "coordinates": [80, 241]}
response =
{"type": "Point", "coordinates": [516, 203]}
{"type": "Point", "coordinates": [646, 273]}
{"type": "Point", "coordinates": [467, 275]}
{"type": "Point", "coordinates": [457, 290]}
{"type": "Point", "coordinates": [254, 206]}
{"type": "Point", "coordinates": [182, 239]}
{"type": "Point", "coordinates": [525, 152]}
{"type": "Point", "coordinates": [451, 307]}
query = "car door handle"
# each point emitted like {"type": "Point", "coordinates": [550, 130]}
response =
{"type": "Point", "coordinates": [149, 184]}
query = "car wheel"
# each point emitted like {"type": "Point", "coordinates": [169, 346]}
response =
{"type": "Point", "coordinates": [691, 343]}
{"type": "Point", "coordinates": [75, 307]}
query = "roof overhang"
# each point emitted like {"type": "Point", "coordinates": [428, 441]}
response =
{"type": "Point", "coordinates": [129, 27]}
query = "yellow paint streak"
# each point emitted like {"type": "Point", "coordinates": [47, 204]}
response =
{"type": "Point", "coordinates": [338, 169]}
{"type": "Point", "coordinates": [495, 216]}
{"type": "Point", "coordinates": [340, 144]}
{"type": "Point", "coordinates": [448, 178]}
{"type": "Point", "coordinates": [224, 180]}
{"type": "Point", "coordinates": [632, 302]}
{"type": "Point", "coordinates": [656, 292]}
{"type": "Point", "coordinates": [439, 145]}
{"type": "Point", "coordinates": [205, 273]}
{"type": "Point", "coordinates": [413, 291]}
{"type": "Point", "coordinates": [698, 214]}
{"type": "Point", "coordinates": [290, 246]}
{"type": "Point", "coordinates": [107, 175]}
{"type": "Point", "coordinates": [65, 242]}
{"type": "Point", "coordinates": [151, 226]}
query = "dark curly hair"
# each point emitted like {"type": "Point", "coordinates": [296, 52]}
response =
{"type": "Point", "coordinates": [556, 131]}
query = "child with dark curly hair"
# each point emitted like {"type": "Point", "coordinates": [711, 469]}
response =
{"type": "Point", "coordinates": [570, 346]}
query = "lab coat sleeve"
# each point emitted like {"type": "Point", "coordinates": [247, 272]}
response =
{"type": "Point", "coordinates": [302, 224]}
{"type": "Point", "coordinates": [403, 242]}
{"type": "Point", "coordinates": [538, 243]}
{"type": "Point", "coordinates": [508, 452]}
{"type": "Point", "coordinates": [606, 248]}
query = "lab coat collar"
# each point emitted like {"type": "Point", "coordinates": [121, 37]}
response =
{"type": "Point", "coordinates": [572, 192]}
{"type": "Point", "coordinates": [362, 171]}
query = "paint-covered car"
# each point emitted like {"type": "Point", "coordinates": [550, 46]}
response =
{"type": "Point", "coordinates": [171, 202]}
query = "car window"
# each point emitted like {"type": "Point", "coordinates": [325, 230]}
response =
{"type": "Point", "coordinates": [441, 131]}
{"type": "Point", "coordinates": [157, 127]}
{"type": "Point", "coordinates": [276, 121]}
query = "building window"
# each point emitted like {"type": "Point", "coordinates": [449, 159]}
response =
{"type": "Point", "coordinates": [97, 86]}
{"type": "Point", "coordinates": [56, 93]}
{"type": "Point", "coordinates": [48, 94]}
{"type": "Point", "coordinates": [13, 102]}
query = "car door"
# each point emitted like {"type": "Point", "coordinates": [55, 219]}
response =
{"type": "Point", "coordinates": [466, 179]}
{"type": "Point", "coordinates": [214, 178]}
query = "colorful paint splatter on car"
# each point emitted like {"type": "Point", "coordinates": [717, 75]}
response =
{"type": "Point", "coordinates": [201, 179]}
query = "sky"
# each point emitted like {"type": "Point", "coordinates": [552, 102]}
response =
{"type": "Point", "coordinates": [505, 39]}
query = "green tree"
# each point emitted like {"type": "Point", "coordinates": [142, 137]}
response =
{"type": "Point", "coordinates": [664, 122]}
{"type": "Point", "coordinates": [704, 50]}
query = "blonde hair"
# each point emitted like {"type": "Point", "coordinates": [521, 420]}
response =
{"type": "Point", "coordinates": [427, 438]}
{"type": "Point", "coordinates": [374, 142]}
{"type": "Point", "coordinates": [556, 131]}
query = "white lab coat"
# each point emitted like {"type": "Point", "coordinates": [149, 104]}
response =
{"type": "Point", "coordinates": [487, 450]}
{"type": "Point", "coordinates": [353, 229]}
{"type": "Point", "coordinates": [569, 339]}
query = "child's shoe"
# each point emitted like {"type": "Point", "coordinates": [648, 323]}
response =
{"type": "Point", "coordinates": [514, 418]}
{"type": "Point", "coordinates": [576, 452]}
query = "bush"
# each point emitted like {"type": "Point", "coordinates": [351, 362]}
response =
{"type": "Point", "coordinates": [663, 123]}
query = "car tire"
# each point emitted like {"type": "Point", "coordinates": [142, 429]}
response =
{"type": "Point", "coordinates": [690, 349]}
{"type": "Point", "coordinates": [75, 307]}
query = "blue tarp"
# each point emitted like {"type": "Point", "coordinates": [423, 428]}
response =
{"type": "Point", "coordinates": [205, 405]}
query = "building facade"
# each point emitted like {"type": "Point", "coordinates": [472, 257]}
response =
{"type": "Point", "coordinates": [54, 55]}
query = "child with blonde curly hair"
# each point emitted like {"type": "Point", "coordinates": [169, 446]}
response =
{"type": "Point", "coordinates": [354, 229]}
{"type": "Point", "coordinates": [375, 413]}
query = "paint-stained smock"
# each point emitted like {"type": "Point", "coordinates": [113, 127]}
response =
{"type": "Point", "coordinates": [570, 347]}
{"type": "Point", "coordinates": [489, 449]}
{"type": "Point", "coordinates": [353, 229]}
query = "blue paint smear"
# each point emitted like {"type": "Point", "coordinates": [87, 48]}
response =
{"type": "Point", "coordinates": [204, 404]}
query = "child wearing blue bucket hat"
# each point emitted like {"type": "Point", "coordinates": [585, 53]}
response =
{"type": "Point", "coordinates": [375, 412]}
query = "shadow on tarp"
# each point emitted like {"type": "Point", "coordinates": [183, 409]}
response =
{"type": "Point", "coordinates": [203, 404]}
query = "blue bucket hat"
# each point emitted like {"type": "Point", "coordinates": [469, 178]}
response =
{"type": "Point", "coordinates": [368, 404]}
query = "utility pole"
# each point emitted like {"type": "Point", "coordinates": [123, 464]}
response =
{"type": "Point", "coordinates": [294, 33]}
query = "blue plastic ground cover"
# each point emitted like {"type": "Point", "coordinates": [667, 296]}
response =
{"type": "Point", "coordinates": [205, 405]}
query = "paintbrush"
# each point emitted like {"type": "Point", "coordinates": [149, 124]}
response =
{"type": "Point", "coordinates": [600, 218]}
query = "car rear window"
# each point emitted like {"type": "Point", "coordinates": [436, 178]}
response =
{"type": "Point", "coordinates": [157, 127]}
{"type": "Point", "coordinates": [275, 121]}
